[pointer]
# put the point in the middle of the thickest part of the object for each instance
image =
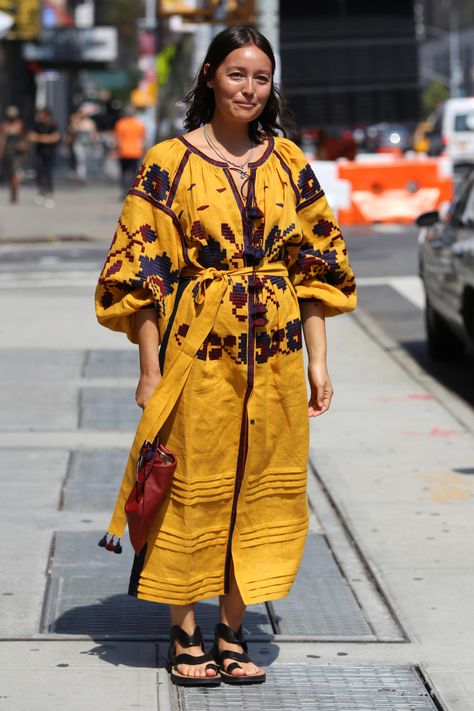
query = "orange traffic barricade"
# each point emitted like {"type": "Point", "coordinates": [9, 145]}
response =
{"type": "Point", "coordinates": [394, 191]}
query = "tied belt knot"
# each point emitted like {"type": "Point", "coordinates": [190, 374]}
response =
{"type": "Point", "coordinates": [210, 275]}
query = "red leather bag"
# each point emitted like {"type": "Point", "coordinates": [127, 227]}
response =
{"type": "Point", "coordinates": [155, 469]}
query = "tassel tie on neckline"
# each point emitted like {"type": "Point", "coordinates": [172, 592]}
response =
{"type": "Point", "coordinates": [254, 252]}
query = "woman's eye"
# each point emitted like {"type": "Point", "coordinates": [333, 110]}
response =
{"type": "Point", "coordinates": [262, 79]}
{"type": "Point", "coordinates": [236, 75]}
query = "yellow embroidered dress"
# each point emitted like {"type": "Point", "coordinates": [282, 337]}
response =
{"type": "Point", "coordinates": [224, 276]}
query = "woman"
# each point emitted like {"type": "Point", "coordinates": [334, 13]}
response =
{"type": "Point", "coordinates": [223, 231]}
{"type": "Point", "coordinates": [84, 138]}
{"type": "Point", "coordinates": [12, 149]}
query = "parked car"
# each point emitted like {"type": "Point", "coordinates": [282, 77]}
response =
{"type": "Point", "coordinates": [446, 267]}
{"type": "Point", "coordinates": [394, 138]}
{"type": "Point", "coordinates": [452, 131]}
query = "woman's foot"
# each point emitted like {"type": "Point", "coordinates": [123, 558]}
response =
{"type": "Point", "coordinates": [230, 651]}
{"type": "Point", "coordinates": [193, 670]}
{"type": "Point", "coordinates": [244, 668]}
{"type": "Point", "coordinates": [188, 664]}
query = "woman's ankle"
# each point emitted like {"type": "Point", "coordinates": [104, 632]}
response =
{"type": "Point", "coordinates": [183, 616]}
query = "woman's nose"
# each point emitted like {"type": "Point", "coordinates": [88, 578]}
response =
{"type": "Point", "coordinates": [248, 87]}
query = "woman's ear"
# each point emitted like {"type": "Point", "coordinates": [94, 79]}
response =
{"type": "Point", "coordinates": [210, 83]}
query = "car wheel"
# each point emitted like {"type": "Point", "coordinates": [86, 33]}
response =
{"type": "Point", "coordinates": [443, 344]}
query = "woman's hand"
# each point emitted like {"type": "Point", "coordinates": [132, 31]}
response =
{"type": "Point", "coordinates": [146, 387]}
{"type": "Point", "coordinates": [321, 389]}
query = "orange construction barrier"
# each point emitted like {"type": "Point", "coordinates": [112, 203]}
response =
{"type": "Point", "coordinates": [394, 191]}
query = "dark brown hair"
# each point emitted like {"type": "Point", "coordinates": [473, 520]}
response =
{"type": "Point", "coordinates": [200, 98]}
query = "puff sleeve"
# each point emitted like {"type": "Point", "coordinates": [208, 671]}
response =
{"type": "Point", "coordinates": [320, 268]}
{"type": "Point", "coordinates": [144, 260]}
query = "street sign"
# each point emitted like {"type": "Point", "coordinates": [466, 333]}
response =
{"type": "Point", "coordinates": [73, 45]}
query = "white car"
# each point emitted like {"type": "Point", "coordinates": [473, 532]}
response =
{"type": "Point", "coordinates": [453, 131]}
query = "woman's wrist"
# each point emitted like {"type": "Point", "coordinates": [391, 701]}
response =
{"type": "Point", "coordinates": [318, 361]}
{"type": "Point", "coordinates": [150, 371]}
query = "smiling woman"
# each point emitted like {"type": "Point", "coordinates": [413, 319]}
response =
{"type": "Point", "coordinates": [226, 252]}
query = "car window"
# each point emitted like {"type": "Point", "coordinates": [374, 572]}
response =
{"type": "Point", "coordinates": [468, 213]}
{"type": "Point", "coordinates": [464, 122]}
{"type": "Point", "coordinates": [437, 127]}
{"type": "Point", "coordinates": [460, 207]}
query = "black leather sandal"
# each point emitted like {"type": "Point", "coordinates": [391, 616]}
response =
{"type": "Point", "coordinates": [186, 640]}
{"type": "Point", "coordinates": [222, 631]}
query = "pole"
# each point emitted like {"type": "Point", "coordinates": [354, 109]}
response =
{"type": "Point", "coordinates": [455, 66]}
{"type": "Point", "coordinates": [150, 14]}
{"type": "Point", "coordinates": [268, 23]}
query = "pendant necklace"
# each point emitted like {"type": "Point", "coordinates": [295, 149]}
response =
{"type": "Point", "coordinates": [240, 167]}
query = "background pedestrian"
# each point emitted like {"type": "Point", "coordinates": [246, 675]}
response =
{"type": "Point", "coordinates": [45, 135]}
{"type": "Point", "coordinates": [130, 134]}
{"type": "Point", "coordinates": [13, 147]}
{"type": "Point", "coordinates": [84, 137]}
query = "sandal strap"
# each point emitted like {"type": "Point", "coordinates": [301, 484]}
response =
{"type": "Point", "coordinates": [189, 659]}
{"type": "Point", "coordinates": [231, 667]}
{"type": "Point", "coordinates": [238, 656]}
{"type": "Point", "coordinates": [211, 665]}
{"type": "Point", "coordinates": [185, 639]}
{"type": "Point", "coordinates": [225, 632]}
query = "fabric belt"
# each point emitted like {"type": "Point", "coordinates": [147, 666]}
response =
{"type": "Point", "coordinates": [208, 287]}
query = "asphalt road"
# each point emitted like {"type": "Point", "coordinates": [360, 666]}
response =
{"type": "Point", "coordinates": [384, 258]}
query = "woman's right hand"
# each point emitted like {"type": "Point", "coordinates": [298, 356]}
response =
{"type": "Point", "coordinates": [146, 387]}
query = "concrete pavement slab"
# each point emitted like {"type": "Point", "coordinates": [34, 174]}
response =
{"type": "Point", "coordinates": [88, 212]}
{"type": "Point", "coordinates": [35, 319]}
{"type": "Point", "coordinates": [46, 363]}
{"type": "Point", "coordinates": [108, 409]}
{"type": "Point", "coordinates": [30, 488]}
{"type": "Point", "coordinates": [38, 405]}
{"type": "Point", "coordinates": [60, 675]}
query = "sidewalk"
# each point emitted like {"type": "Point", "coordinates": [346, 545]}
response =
{"type": "Point", "coordinates": [385, 592]}
{"type": "Point", "coordinates": [89, 211]}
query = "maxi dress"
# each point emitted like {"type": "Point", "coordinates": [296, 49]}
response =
{"type": "Point", "coordinates": [225, 276]}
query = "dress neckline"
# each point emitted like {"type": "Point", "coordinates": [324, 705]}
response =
{"type": "Point", "coordinates": [254, 164]}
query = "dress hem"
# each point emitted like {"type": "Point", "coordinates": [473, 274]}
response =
{"type": "Point", "coordinates": [256, 600]}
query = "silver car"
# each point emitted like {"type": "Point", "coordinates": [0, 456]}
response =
{"type": "Point", "coordinates": [446, 267]}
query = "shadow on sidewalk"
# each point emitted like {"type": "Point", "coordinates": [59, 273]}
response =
{"type": "Point", "coordinates": [128, 630]}
{"type": "Point", "coordinates": [123, 654]}
{"type": "Point", "coordinates": [454, 376]}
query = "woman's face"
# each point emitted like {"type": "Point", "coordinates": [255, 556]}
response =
{"type": "Point", "coordinates": [242, 84]}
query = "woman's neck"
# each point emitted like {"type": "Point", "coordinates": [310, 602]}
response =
{"type": "Point", "coordinates": [232, 136]}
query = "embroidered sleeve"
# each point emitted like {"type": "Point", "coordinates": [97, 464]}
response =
{"type": "Point", "coordinates": [143, 263]}
{"type": "Point", "coordinates": [320, 268]}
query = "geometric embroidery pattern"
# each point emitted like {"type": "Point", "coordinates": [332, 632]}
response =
{"type": "Point", "coordinates": [153, 180]}
{"type": "Point", "coordinates": [238, 298]}
{"type": "Point", "coordinates": [308, 183]}
{"type": "Point", "coordinates": [268, 344]}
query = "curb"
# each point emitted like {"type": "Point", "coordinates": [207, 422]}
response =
{"type": "Point", "coordinates": [48, 239]}
{"type": "Point", "coordinates": [460, 410]}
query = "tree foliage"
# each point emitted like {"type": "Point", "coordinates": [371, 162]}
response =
{"type": "Point", "coordinates": [433, 95]}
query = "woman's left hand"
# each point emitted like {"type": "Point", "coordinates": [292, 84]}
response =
{"type": "Point", "coordinates": [321, 389]}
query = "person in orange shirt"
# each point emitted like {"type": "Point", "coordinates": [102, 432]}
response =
{"type": "Point", "coordinates": [130, 135]}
